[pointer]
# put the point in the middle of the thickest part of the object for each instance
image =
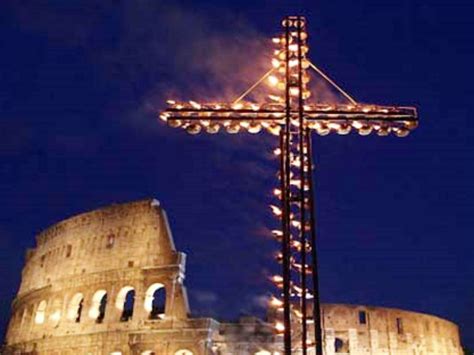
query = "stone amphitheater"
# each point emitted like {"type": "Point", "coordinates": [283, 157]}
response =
{"type": "Point", "coordinates": [111, 282]}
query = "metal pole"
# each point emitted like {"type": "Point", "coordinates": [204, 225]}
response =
{"type": "Point", "coordinates": [316, 299]}
{"type": "Point", "coordinates": [302, 194]}
{"type": "Point", "coordinates": [286, 210]}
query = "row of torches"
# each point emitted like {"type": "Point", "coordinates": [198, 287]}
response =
{"type": "Point", "coordinates": [179, 116]}
{"type": "Point", "coordinates": [297, 164]}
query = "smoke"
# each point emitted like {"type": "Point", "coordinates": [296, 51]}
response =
{"type": "Point", "coordinates": [187, 54]}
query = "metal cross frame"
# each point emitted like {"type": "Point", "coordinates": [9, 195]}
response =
{"type": "Point", "coordinates": [292, 118]}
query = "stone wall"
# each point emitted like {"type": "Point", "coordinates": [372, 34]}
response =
{"type": "Point", "coordinates": [364, 330]}
{"type": "Point", "coordinates": [110, 251]}
{"type": "Point", "coordinates": [78, 283]}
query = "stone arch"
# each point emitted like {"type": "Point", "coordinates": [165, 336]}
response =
{"type": "Point", "coordinates": [24, 317]}
{"type": "Point", "coordinates": [40, 314]}
{"type": "Point", "coordinates": [155, 301]}
{"type": "Point", "coordinates": [98, 306]}
{"type": "Point", "coordinates": [125, 302]}
{"type": "Point", "coordinates": [75, 307]}
{"type": "Point", "coordinates": [184, 352]}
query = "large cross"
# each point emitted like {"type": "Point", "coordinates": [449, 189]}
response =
{"type": "Point", "coordinates": [292, 117]}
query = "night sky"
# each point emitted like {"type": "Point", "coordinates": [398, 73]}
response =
{"type": "Point", "coordinates": [80, 85]}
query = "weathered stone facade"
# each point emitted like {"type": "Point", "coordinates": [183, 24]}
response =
{"type": "Point", "coordinates": [91, 286]}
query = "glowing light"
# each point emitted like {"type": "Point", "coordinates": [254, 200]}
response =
{"type": "Point", "coordinates": [170, 102]}
{"type": "Point", "coordinates": [294, 91]}
{"type": "Point", "coordinates": [276, 40]}
{"type": "Point", "coordinates": [213, 128]}
{"type": "Point", "coordinates": [293, 63]}
{"type": "Point", "coordinates": [344, 129]}
{"type": "Point", "coordinates": [275, 63]}
{"type": "Point", "coordinates": [237, 106]}
{"type": "Point", "coordinates": [274, 130]}
{"type": "Point", "coordinates": [254, 128]}
{"type": "Point", "coordinates": [193, 129]}
{"type": "Point", "coordinates": [277, 278]}
{"type": "Point", "coordinates": [277, 211]}
{"type": "Point", "coordinates": [195, 105]}
{"type": "Point", "coordinates": [293, 47]}
{"type": "Point", "coordinates": [273, 80]}
{"type": "Point", "coordinates": [233, 128]}
{"type": "Point", "coordinates": [275, 98]}
{"type": "Point", "coordinates": [277, 151]}
{"type": "Point", "coordinates": [277, 233]}
{"type": "Point", "coordinates": [279, 327]}
{"type": "Point", "coordinates": [401, 132]}
{"type": "Point", "coordinates": [365, 130]}
{"type": "Point", "coordinates": [244, 124]}
{"type": "Point", "coordinates": [275, 302]}
{"type": "Point", "coordinates": [296, 224]}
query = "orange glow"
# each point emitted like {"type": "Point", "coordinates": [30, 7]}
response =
{"type": "Point", "coordinates": [195, 105]}
{"type": "Point", "coordinates": [279, 327]}
{"type": "Point", "coordinates": [277, 278]}
{"type": "Point", "coordinates": [275, 302]}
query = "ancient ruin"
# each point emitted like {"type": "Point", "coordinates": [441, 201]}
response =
{"type": "Point", "coordinates": [111, 282]}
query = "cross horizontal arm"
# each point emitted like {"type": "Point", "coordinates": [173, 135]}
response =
{"type": "Point", "coordinates": [324, 118]}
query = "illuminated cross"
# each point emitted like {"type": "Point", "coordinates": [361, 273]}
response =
{"type": "Point", "coordinates": [292, 117]}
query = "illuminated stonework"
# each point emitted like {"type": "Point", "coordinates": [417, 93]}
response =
{"type": "Point", "coordinates": [111, 282]}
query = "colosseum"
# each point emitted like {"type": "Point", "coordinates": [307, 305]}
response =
{"type": "Point", "coordinates": [111, 282]}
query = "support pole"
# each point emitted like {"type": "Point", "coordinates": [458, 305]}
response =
{"type": "Point", "coordinates": [316, 299]}
{"type": "Point", "coordinates": [286, 210]}
{"type": "Point", "coordinates": [304, 343]}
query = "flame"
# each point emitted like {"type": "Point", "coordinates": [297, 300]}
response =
{"type": "Point", "coordinates": [275, 302]}
{"type": "Point", "coordinates": [277, 279]}
{"type": "Point", "coordinates": [195, 105]}
{"type": "Point", "coordinates": [273, 80]}
{"type": "Point", "coordinates": [275, 63]}
{"type": "Point", "coordinates": [293, 63]}
{"type": "Point", "coordinates": [293, 47]}
{"type": "Point", "coordinates": [274, 130]}
{"type": "Point", "coordinates": [277, 233]}
{"type": "Point", "coordinates": [277, 211]}
{"type": "Point", "coordinates": [279, 327]}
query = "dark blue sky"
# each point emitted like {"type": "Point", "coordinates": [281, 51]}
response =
{"type": "Point", "coordinates": [79, 84]}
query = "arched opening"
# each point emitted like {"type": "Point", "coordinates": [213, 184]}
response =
{"type": "Point", "coordinates": [340, 346]}
{"type": "Point", "coordinates": [184, 352]}
{"type": "Point", "coordinates": [125, 302]}
{"type": "Point", "coordinates": [99, 304]}
{"type": "Point", "coordinates": [155, 301]}
{"type": "Point", "coordinates": [40, 313]}
{"type": "Point", "coordinates": [74, 310]}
